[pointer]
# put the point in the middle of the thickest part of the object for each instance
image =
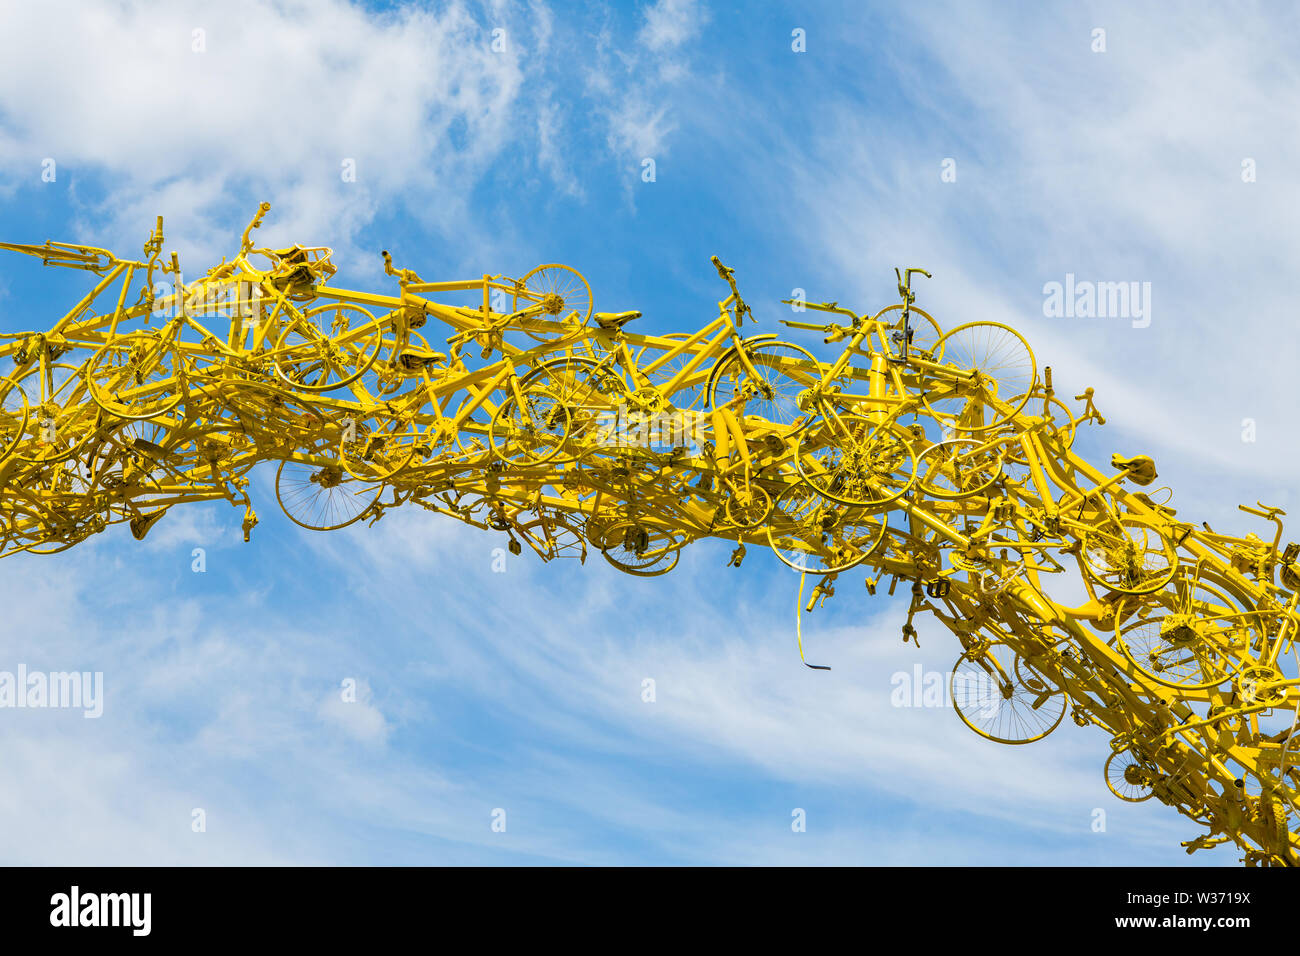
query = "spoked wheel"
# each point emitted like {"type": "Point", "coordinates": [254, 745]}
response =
{"type": "Point", "coordinates": [557, 293]}
{"type": "Point", "coordinates": [1057, 434]}
{"type": "Point", "coordinates": [1129, 555]}
{"type": "Point", "coordinates": [997, 704]}
{"type": "Point", "coordinates": [14, 415]}
{"type": "Point", "coordinates": [637, 548]}
{"type": "Point", "coordinates": [377, 448]}
{"type": "Point", "coordinates": [809, 533]}
{"type": "Point", "coordinates": [579, 381]}
{"type": "Point", "coordinates": [1130, 777]}
{"type": "Point", "coordinates": [531, 430]}
{"type": "Point", "coordinates": [59, 421]}
{"type": "Point", "coordinates": [322, 497]}
{"type": "Point", "coordinates": [1192, 636]}
{"type": "Point", "coordinates": [593, 395]}
{"type": "Point", "coordinates": [327, 347]}
{"type": "Point", "coordinates": [137, 376]}
{"type": "Point", "coordinates": [747, 505]}
{"type": "Point", "coordinates": [849, 461]}
{"type": "Point", "coordinates": [994, 374]}
{"type": "Point", "coordinates": [1260, 684]}
{"type": "Point", "coordinates": [51, 530]}
{"type": "Point", "coordinates": [958, 468]}
{"type": "Point", "coordinates": [925, 330]}
{"type": "Point", "coordinates": [783, 374]}
{"type": "Point", "coordinates": [138, 453]}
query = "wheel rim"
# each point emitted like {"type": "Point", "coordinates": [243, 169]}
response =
{"type": "Point", "coordinates": [866, 468]}
{"type": "Point", "coordinates": [956, 469]}
{"type": "Point", "coordinates": [327, 347]}
{"type": "Point", "coordinates": [990, 701]}
{"type": "Point", "coordinates": [322, 497]}
{"type": "Point", "coordinates": [775, 396]}
{"type": "Point", "coordinates": [1181, 637]}
{"type": "Point", "coordinates": [1128, 777]}
{"type": "Point", "coordinates": [1004, 364]}
{"type": "Point", "coordinates": [810, 534]}
{"type": "Point", "coordinates": [562, 291]}
{"type": "Point", "coordinates": [1130, 556]}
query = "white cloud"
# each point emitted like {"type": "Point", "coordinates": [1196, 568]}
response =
{"type": "Point", "coordinates": [639, 87]}
{"type": "Point", "coordinates": [354, 713]}
{"type": "Point", "coordinates": [1117, 166]}
{"type": "Point", "coordinates": [670, 23]}
{"type": "Point", "coordinates": [279, 98]}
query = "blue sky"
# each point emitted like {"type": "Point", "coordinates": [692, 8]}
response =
{"type": "Point", "coordinates": [521, 690]}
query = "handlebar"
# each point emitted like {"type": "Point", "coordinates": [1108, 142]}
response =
{"type": "Point", "coordinates": [729, 276]}
{"type": "Point", "coordinates": [905, 283]}
{"type": "Point", "coordinates": [1266, 512]}
{"type": "Point", "coordinates": [245, 243]}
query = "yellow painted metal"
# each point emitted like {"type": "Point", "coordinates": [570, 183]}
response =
{"type": "Point", "coordinates": [940, 458]}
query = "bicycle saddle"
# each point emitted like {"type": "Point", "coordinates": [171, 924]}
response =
{"type": "Point", "coordinates": [141, 524]}
{"type": "Point", "coordinates": [1140, 468]}
{"type": "Point", "coordinates": [414, 359]}
{"type": "Point", "coordinates": [615, 320]}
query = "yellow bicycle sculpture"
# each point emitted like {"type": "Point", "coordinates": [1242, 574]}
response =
{"type": "Point", "coordinates": [938, 458]}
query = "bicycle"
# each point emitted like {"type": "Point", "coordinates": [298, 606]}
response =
{"type": "Point", "coordinates": [751, 375]}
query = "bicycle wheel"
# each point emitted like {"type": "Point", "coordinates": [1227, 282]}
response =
{"type": "Point", "coordinates": [593, 395]}
{"type": "Point", "coordinates": [14, 416]}
{"type": "Point", "coordinates": [62, 532]}
{"type": "Point", "coordinates": [322, 497]}
{"type": "Point", "coordinates": [1129, 777]}
{"type": "Point", "coordinates": [327, 347]}
{"type": "Point", "coordinates": [809, 533]}
{"type": "Point", "coordinates": [639, 549]}
{"type": "Point", "coordinates": [562, 293]}
{"type": "Point", "coordinates": [997, 373]}
{"type": "Point", "coordinates": [532, 430]}
{"type": "Point", "coordinates": [1192, 636]}
{"type": "Point", "coordinates": [137, 376]}
{"type": "Point", "coordinates": [925, 330]}
{"type": "Point", "coordinates": [59, 421]}
{"type": "Point", "coordinates": [376, 448]}
{"type": "Point", "coordinates": [140, 455]}
{"type": "Point", "coordinates": [1128, 555]}
{"type": "Point", "coordinates": [958, 468]}
{"type": "Point", "coordinates": [992, 702]}
{"type": "Point", "coordinates": [578, 381]}
{"type": "Point", "coordinates": [784, 373]}
{"type": "Point", "coordinates": [747, 505]}
{"type": "Point", "coordinates": [854, 463]}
